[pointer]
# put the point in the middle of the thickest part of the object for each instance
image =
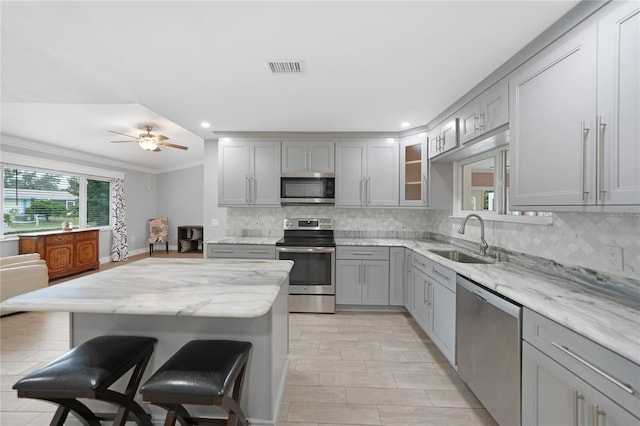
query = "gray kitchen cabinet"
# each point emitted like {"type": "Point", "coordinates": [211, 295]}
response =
{"type": "Point", "coordinates": [367, 173]}
{"type": "Point", "coordinates": [248, 172]}
{"type": "Point", "coordinates": [421, 291]}
{"type": "Point", "coordinates": [408, 282]}
{"type": "Point", "coordinates": [240, 251]}
{"type": "Point", "coordinates": [618, 106]}
{"type": "Point", "coordinates": [397, 276]}
{"type": "Point", "coordinates": [362, 275]}
{"type": "Point", "coordinates": [442, 310]}
{"type": "Point", "coordinates": [308, 157]}
{"type": "Point", "coordinates": [568, 379]}
{"type": "Point", "coordinates": [485, 113]}
{"type": "Point", "coordinates": [443, 138]}
{"type": "Point", "coordinates": [434, 303]}
{"type": "Point", "coordinates": [574, 117]}
{"type": "Point", "coordinates": [414, 171]}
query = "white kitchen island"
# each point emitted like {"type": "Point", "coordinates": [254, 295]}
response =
{"type": "Point", "coordinates": [177, 300]}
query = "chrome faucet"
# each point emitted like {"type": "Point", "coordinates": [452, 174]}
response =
{"type": "Point", "coordinates": [483, 243]}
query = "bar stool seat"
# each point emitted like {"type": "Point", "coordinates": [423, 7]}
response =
{"type": "Point", "coordinates": [202, 372]}
{"type": "Point", "coordinates": [87, 371]}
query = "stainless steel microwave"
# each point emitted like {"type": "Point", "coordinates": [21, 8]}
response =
{"type": "Point", "coordinates": [307, 188]}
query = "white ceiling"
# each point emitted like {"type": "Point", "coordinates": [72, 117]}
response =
{"type": "Point", "coordinates": [71, 71]}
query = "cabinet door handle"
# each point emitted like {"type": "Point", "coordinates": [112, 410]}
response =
{"type": "Point", "coordinates": [482, 121]}
{"type": "Point", "coordinates": [586, 363]}
{"type": "Point", "coordinates": [425, 200]}
{"type": "Point", "coordinates": [368, 190]}
{"type": "Point", "coordinates": [364, 274]}
{"type": "Point", "coordinates": [419, 263]}
{"type": "Point", "coordinates": [584, 131]}
{"type": "Point", "coordinates": [247, 187]}
{"type": "Point", "coordinates": [362, 200]}
{"type": "Point", "coordinates": [476, 123]}
{"type": "Point", "coordinates": [576, 407]}
{"type": "Point", "coordinates": [595, 413]}
{"type": "Point", "coordinates": [440, 274]}
{"type": "Point", "coordinates": [600, 126]}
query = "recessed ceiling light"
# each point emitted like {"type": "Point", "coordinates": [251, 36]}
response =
{"type": "Point", "coordinates": [205, 124]}
{"type": "Point", "coordinates": [405, 124]}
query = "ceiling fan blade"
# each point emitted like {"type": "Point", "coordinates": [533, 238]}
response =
{"type": "Point", "coordinates": [172, 145]}
{"type": "Point", "coordinates": [122, 141]}
{"type": "Point", "coordinates": [156, 150]}
{"type": "Point", "coordinates": [161, 137]}
{"type": "Point", "coordinates": [123, 134]}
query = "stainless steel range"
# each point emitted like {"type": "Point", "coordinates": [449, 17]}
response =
{"type": "Point", "coordinates": [312, 281]}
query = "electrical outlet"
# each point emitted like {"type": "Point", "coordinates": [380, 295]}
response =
{"type": "Point", "coordinates": [614, 258]}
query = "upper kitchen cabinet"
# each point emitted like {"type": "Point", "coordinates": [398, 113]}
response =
{"type": "Point", "coordinates": [414, 171]}
{"type": "Point", "coordinates": [248, 172]}
{"type": "Point", "coordinates": [367, 173]}
{"type": "Point", "coordinates": [574, 108]}
{"type": "Point", "coordinates": [443, 138]}
{"type": "Point", "coordinates": [308, 157]}
{"type": "Point", "coordinates": [485, 113]}
{"type": "Point", "coordinates": [619, 106]}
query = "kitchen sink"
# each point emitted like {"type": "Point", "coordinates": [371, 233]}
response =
{"type": "Point", "coordinates": [458, 256]}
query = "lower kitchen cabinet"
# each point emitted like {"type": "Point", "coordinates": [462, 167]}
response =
{"type": "Point", "coordinates": [570, 380]}
{"type": "Point", "coordinates": [362, 276]}
{"type": "Point", "coordinates": [434, 303]}
{"type": "Point", "coordinates": [241, 251]}
{"type": "Point", "coordinates": [397, 276]}
{"type": "Point", "coordinates": [552, 395]}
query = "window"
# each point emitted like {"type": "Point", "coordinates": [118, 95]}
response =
{"type": "Point", "coordinates": [482, 186]}
{"type": "Point", "coordinates": [41, 200]}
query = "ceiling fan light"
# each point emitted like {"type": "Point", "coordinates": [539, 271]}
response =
{"type": "Point", "coordinates": [147, 143]}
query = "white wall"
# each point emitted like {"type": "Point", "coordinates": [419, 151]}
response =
{"type": "Point", "coordinates": [210, 210]}
{"type": "Point", "coordinates": [179, 198]}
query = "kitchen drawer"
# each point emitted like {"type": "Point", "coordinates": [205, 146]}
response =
{"type": "Point", "coordinates": [362, 253]}
{"type": "Point", "coordinates": [86, 235]}
{"type": "Point", "coordinates": [241, 251]}
{"type": "Point", "coordinates": [444, 276]}
{"type": "Point", "coordinates": [420, 262]}
{"type": "Point", "coordinates": [59, 238]}
{"type": "Point", "coordinates": [613, 375]}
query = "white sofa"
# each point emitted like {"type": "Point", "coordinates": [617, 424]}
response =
{"type": "Point", "coordinates": [21, 274]}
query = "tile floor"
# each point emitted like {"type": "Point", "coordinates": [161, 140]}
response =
{"type": "Point", "coordinates": [352, 368]}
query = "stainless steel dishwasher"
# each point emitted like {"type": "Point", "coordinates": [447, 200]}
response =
{"type": "Point", "coordinates": [488, 341]}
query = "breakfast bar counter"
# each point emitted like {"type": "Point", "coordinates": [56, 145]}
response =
{"type": "Point", "coordinates": [177, 300]}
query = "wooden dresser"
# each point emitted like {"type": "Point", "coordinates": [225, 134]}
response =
{"type": "Point", "coordinates": [66, 253]}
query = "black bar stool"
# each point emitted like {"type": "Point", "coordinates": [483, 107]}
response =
{"type": "Point", "coordinates": [202, 372]}
{"type": "Point", "coordinates": [87, 371]}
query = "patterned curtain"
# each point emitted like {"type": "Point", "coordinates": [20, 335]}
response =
{"type": "Point", "coordinates": [119, 246]}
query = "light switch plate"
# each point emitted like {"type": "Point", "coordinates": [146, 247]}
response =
{"type": "Point", "coordinates": [215, 222]}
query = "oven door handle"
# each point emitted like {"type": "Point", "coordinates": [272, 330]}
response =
{"type": "Point", "coordinates": [306, 249]}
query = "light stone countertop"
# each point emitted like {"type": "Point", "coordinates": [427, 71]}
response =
{"type": "Point", "coordinates": [175, 287]}
{"type": "Point", "coordinates": [603, 309]}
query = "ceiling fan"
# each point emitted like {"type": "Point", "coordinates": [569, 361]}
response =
{"type": "Point", "coordinates": [149, 141]}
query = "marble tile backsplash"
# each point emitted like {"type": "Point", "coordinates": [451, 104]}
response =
{"type": "Point", "coordinates": [573, 239]}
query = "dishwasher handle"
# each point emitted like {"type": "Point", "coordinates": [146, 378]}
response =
{"type": "Point", "coordinates": [490, 297]}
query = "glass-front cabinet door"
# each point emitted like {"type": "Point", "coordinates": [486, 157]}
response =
{"type": "Point", "coordinates": [414, 171]}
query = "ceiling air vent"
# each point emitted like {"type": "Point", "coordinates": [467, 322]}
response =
{"type": "Point", "coordinates": [284, 66]}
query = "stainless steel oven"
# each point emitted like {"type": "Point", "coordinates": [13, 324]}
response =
{"type": "Point", "coordinates": [310, 245]}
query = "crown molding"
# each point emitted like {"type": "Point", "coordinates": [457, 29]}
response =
{"type": "Point", "coordinates": [40, 148]}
